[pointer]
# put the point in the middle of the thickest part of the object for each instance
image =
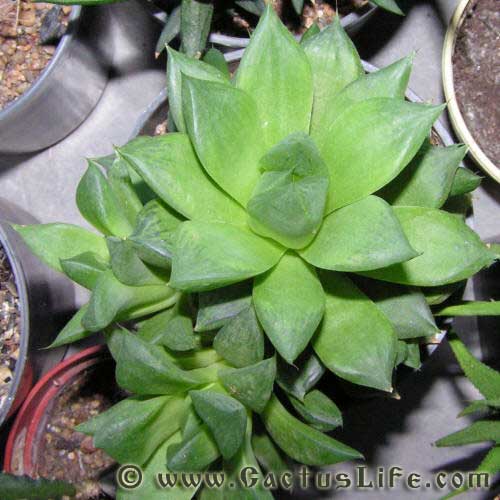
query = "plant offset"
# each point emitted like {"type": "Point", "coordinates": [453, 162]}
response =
{"type": "Point", "coordinates": [299, 217]}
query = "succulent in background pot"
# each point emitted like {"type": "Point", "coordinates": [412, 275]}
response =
{"type": "Point", "coordinates": [294, 227]}
{"type": "Point", "coordinates": [65, 92]}
{"type": "Point", "coordinates": [469, 55]}
{"type": "Point", "coordinates": [29, 296]}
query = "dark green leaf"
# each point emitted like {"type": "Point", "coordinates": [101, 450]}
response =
{"type": "Point", "coordinates": [464, 181]}
{"type": "Point", "coordinates": [389, 5]}
{"type": "Point", "coordinates": [55, 242]}
{"type": "Point", "coordinates": [241, 341]}
{"type": "Point", "coordinates": [224, 128]}
{"type": "Point", "coordinates": [255, 7]}
{"type": "Point", "coordinates": [215, 58]}
{"type": "Point", "coordinates": [98, 203]}
{"type": "Point", "coordinates": [73, 330]}
{"type": "Point", "coordinates": [298, 5]}
{"type": "Point", "coordinates": [251, 385]}
{"type": "Point", "coordinates": [362, 236]}
{"type": "Point", "coordinates": [412, 359]}
{"type": "Point", "coordinates": [267, 454]}
{"type": "Point", "coordinates": [275, 72]}
{"type": "Point", "coordinates": [288, 203]}
{"type": "Point", "coordinates": [84, 269]}
{"type": "Point", "coordinates": [153, 233]}
{"type": "Point", "coordinates": [225, 417]}
{"type": "Point", "coordinates": [480, 405]}
{"type": "Point", "coordinates": [289, 302]}
{"type": "Point", "coordinates": [194, 453]}
{"type": "Point", "coordinates": [355, 340]}
{"type": "Point", "coordinates": [335, 63]}
{"type": "Point", "coordinates": [405, 308]}
{"type": "Point", "coordinates": [152, 329]}
{"type": "Point", "coordinates": [217, 307]}
{"type": "Point", "coordinates": [212, 255]}
{"type": "Point", "coordinates": [132, 430]}
{"type": "Point", "coordinates": [471, 309]}
{"type": "Point", "coordinates": [301, 442]}
{"type": "Point", "coordinates": [169, 166]}
{"type": "Point", "coordinates": [485, 379]}
{"type": "Point", "coordinates": [319, 411]}
{"type": "Point", "coordinates": [427, 180]}
{"type": "Point", "coordinates": [302, 376]}
{"type": "Point", "coordinates": [478, 432]}
{"type": "Point", "coordinates": [144, 368]}
{"type": "Point", "coordinates": [450, 251]}
{"type": "Point", "coordinates": [196, 18]}
{"type": "Point", "coordinates": [178, 67]}
{"type": "Point", "coordinates": [171, 29]}
{"type": "Point", "coordinates": [380, 132]}
{"type": "Point", "coordinates": [111, 301]}
{"type": "Point", "coordinates": [178, 334]}
{"type": "Point", "coordinates": [17, 487]}
{"type": "Point", "coordinates": [438, 294]}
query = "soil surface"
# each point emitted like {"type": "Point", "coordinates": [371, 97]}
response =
{"type": "Point", "coordinates": [476, 74]}
{"type": "Point", "coordinates": [9, 326]}
{"type": "Point", "coordinates": [29, 33]}
{"type": "Point", "coordinates": [69, 455]}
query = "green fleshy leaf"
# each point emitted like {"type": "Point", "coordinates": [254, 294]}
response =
{"type": "Point", "coordinates": [405, 308]}
{"type": "Point", "coordinates": [480, 405]}
{"type": "Point", "coordinates": [389, 5]}
{"type": "Point", "coordinates": [16, 487]}
{"type": "Point", "coordinates": [196, 18]}
{"type": "Point", "coordinates": [212, 255]}
{"type": "Point", "coordinates": [289, 302]}
{"type": "Point", "coordinates": [255, 7]}
{"type": "Point", "coordinates": [218, 307]}
{"type": "Point", "coordinates": [149, 488]}
{"type": "Point", "coordinates": [224, 128]}
{"type": "Point", "coordinates": [464, 182]}
{"type": "Point", "coordinates": [362, 236]}
{"type": "Point", "coordinates": [171, 29]}
{"type": "Point", "coordinates": [52, 243]}
{"type": "Point", "coordinates": [435, 295]}
{"type": "Point", "coordinates": [427, 180]}
{"type": "Point", "coordinates": [390, 82]}
{"type": "Point", "coordinates": [241, 341]}
{"type": "Point", "coordinates": [178, 334]}
{"type": "Point", "coordinates": [129, 268]}
{"type": "Point", "coordinates": [299, 378]}
{"type": "Point", "coordinates": [319, 411]}
{"type": "Point", "coordinates": [169, 166]}
{"type": "Point", "coordinates": [382, 133]}
{"type": "Point", "coordinates": [412, 359]}
{"type": "Point", "coordinates": [267, 454]}
{"type": "Point", "coordinates": [152, 329]}
{"type": "Point", "coordinates": [298, 5]}
{"type": "Point", "coordinates": [153, 233]}
{"type": "Point", "coordinates": [73, 330]}
{"type": "Point", "coordinates": [275, 71]}
{"type": "Point", "coordinates": [224, 416]}
{"type": "Point", "coordinates": [215, 58]}
{"type": "Point", "coordinates": [313, 30]}
{"type": "Point", "coordinates": [335, 63]}
{"type": "Point", "coordinates": [179, 66]}
{"type": "Point", "coordinates": [289, 200]}
{"type": "Point", "coordinates": [471, 308]}
{"type": "Point", "coordinates": [144, 368]}
{"type": "Point", "coordinates": [84, 269]}
{"type": "Point", "coordinates": [98, 203]}
{"type": "Point", "coordinates": [111, 301]}
{"type": "Point", "coordinates": [485, 379]}
{"type": "Point", "coordinates": [478, 432]}
{"type": "Point", "coordinates": [301, 442]}
{"type": "Point", "coordinates": [194, 453]}
{"type": "Point", "coordinates": [131, 430]}
{"type": "Point", "coordinates": [355, 340]}
{"type": "Point", "coordinates": [121, 183]}
{"type": "Point", "coordinates": [450, 250]}
{"type": "Point", "coordinates": [251, 385]}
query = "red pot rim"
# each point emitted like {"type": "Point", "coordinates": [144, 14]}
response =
{"type": "Point", "coordinates": [34, 407]}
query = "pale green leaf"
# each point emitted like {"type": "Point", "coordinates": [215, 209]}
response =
{"type": "Point", "coordinates": [211, 255]}
{"type": "Point", "coordinates": [478, 432]}
{"type": "Point", "coordinates": [275, 71]}
{"type": "Point", "coordinates": [479, 308]}
{"type": "Point", "coordinates": [73, 330]}
{"type": "Point", "coordinates": [289, 302]}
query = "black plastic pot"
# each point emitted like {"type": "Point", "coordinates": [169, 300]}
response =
{"type": "Point", "coordinates": [45, 297]}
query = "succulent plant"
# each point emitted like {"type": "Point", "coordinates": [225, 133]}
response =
{"type": "Point", "coordinates": [487, 428]}
{"type": "Point", "coordinates": [298, 217]}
